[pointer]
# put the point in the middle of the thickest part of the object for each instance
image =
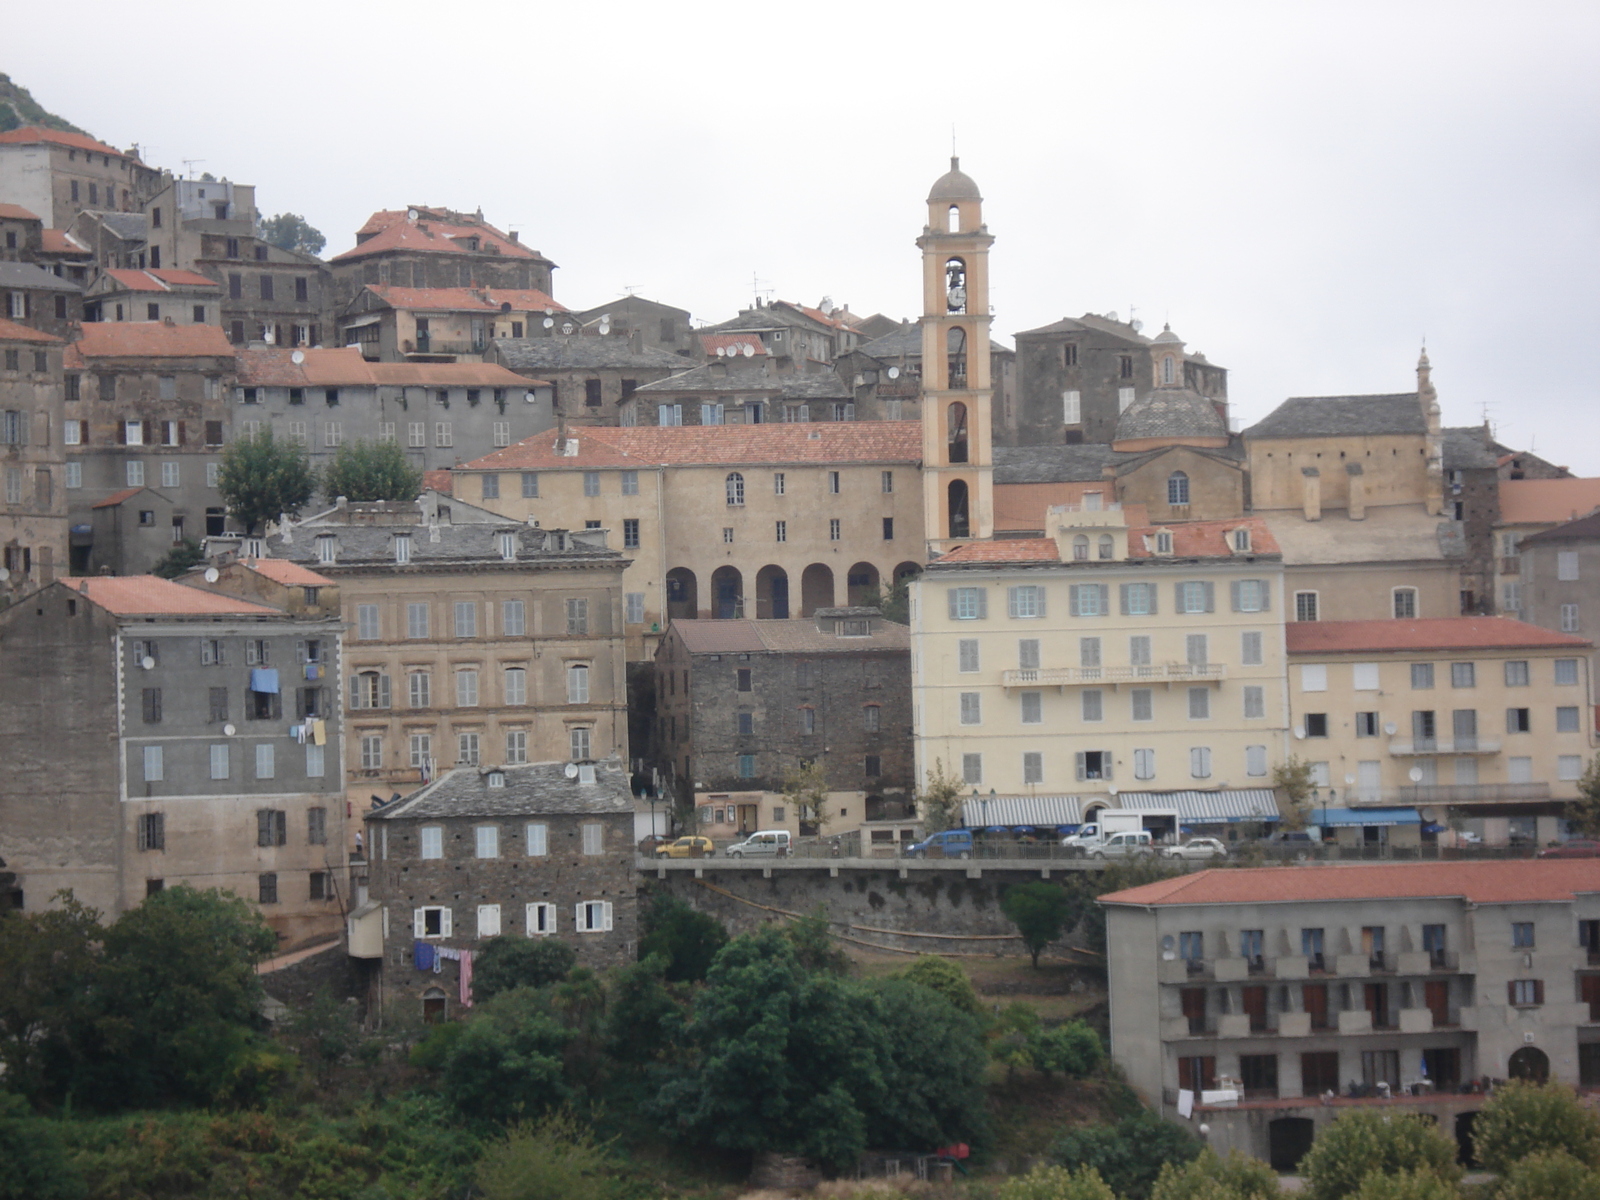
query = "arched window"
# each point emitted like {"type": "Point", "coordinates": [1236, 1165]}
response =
{"type": "Point", "coordinates": [956, 348]}
{"type": "Point", "coordinates": [956, 431]}
{"type": "Point", "coordinates": [1177, 488]}
{"type": "Point", "coordinates": [955, 285]}
{"type": "Point", "coordinates": [1080, 548]}
{"type": "Point", "coordinates": [953, 219]}
{"type": "Point", "coordinates": [735, 488]}
{"type": "Point", "coordinates": [1107, 546]}
{"type": "Point", "coordinates": [959, 524]}
{"type": "Point", "coordinates": [1166, 370]}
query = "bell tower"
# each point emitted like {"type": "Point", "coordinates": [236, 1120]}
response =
{"type": "Point", "coordinates": [957, 460]}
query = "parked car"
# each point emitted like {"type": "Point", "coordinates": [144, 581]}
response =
{"type": "Point", "coordinates": [687, 847]}
{"type": "Point", "coordinates": [765, 843]}
{"type": "Point", "coordinates": [1196, 848]}
{"type": "Point", "coordinates": [1576, 848]}
{"type": "Point", "coordinates": [952, 843]}
{"type": "Point", "coordinates": [1293, 837]}
{"type": "Point", "coordinates": [1125, 845]}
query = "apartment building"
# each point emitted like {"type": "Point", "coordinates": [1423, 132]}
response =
{"type": "Point", "coordinates": [57, 174]}
{"type": "Point", "coordinates": [1527, 507]}
{"type": "Point", "coordinates": [33, 518]}
{"type": "Point", "coordinates": [1560, 577]}
{"type": "Point", "coordinates": [31, 295]}
{"type": "Point", "coordinates": [593, 378]}
{"type": "Point", "coordinates": [1480, 724]}
{"type": "Point", "coordinates": [184, 297]}
{"type": "Point", "coordinates": [190, 762]}
{"type": "Point", "coordinates": [430, 247]}
{"type": "Point", "coordinates": [526, 850]}
{"type": "Point", "coordinates": [448, 324]}
{"type": "Point", "coordinates": [1267, 1002]}
{"type": "Point", "coordinates": [1103, 656]}
{"type": "Point", "coordinates": [473, 640]}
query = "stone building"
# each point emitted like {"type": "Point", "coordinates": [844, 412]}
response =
{"type": "Point", "coordinates": [33, 296]}
{"type": "Point", "coordinates": [741, 390]}
{"type": "Point", "coordinates": [190, 759]}
{"type": "Point", "coordinates": [799, 335]}
{"type": "Point", "coordinates": [33, 519]}
{"type": "Point", "coordinates": [145, 407]}
{"type": "Point", "coordinates": [1266, 1003]}
{"type": "Point", "coordinates": [645, 324]}
{"type": "Point", "coordinates": [1472, 500]}
{"type": "Point", "coordinates": [474, 640]}
{"type": "Point", "coordinates": [1367, 708]}
{"type": "Point", "coordinates": [113, 239]}
{"type": "Point", "coordinates": [443, 324]}
{"type": "Point", "coordinates": [183, 297]}
{"type": "Point", "coordinates": [885, 375]}
{"type": "Point", "coordinates": [743, 705]}
{"type": "Point", "coordinates": [514, 851]}
{"type": "Point", "coordinates": [57, 175]}
{"type": "Point", "coordinates": [1559, 579]}
{"type": "Point", "coordinates": [592, 378]}
{"type": "Point", "coordinates": [1527, 507]}
{"type": "Point", "coordinates": [426, 247]}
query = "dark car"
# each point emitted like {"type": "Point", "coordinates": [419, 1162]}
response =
{"type": "Point", "coordinates": [1576, 848]}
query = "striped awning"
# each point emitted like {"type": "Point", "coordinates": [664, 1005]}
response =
{"type": "Point", "coordinates": [1024, 811]}
{"type": "Point", "coordinates": [1208, 808]}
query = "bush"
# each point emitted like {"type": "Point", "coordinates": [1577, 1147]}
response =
{"type": "Point", "coordinates": [1522, 1119]}
{"type": "Point", "coordinates": [1549, 1175]}
{"type": "Point", "coordinates": [36, 1166]}
{"type": "Point", "coordinates": [508, 962]}
{"type": "Point", "coordinates": [1359, 1143]}
{"type": "Point", "coordinates": [1129, 1155]}
{"type": "Point", "coordinates": [950, 981]}
{"type": "Point", "coordinates": [506, 1063]}
{"type": "Point", "coordinates": [555, 1159]}
{"type": "Point", "coordinates": [1071, 1048]}
{"type": "Point", "coordinates": [1057, 1183]}
{"type": "Point", "coordinates": [1409, 1185]}
{"type": "Point", "coordinates": [686, 938]}
{"type": "Point", "coordinates": [1237, 1177]}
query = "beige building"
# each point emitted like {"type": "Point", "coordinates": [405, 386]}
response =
{"type": "Point", "coordinates": [1482, 724]}
{"type": "Point", "coordinates": [1102, 657]}
{"type": "Point", "coordinates": [33, 521]}
{"type": "Point", "coordinates": [1266, 1003]}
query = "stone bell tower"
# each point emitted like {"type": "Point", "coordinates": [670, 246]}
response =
{"type": "Point", "coordinates": [957, 460]}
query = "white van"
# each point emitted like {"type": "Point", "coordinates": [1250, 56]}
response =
{"type": "Point", "coordinates": [767, 843]}
{"type": "Point", "coordinates": [1125, 845]}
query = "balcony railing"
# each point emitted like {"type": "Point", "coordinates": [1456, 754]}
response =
{"type": "Point", "coordinates": [1460, 745]}
{"type": "Point", "coordinates": [1154, 673]}
{"type": "Point", "coordinates": [1472, 793]}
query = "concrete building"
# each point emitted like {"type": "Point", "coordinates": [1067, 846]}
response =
{"type": "Point", "coordinates": [1103, 656]}
{"type": "Point", "coordinates": [741, 706]}
{"type": "Point", "coordinates": [57, 175]}
{"type": "Point", "coordinates": [474, 640]}
{"type": "Point", "coordinates": [189, 761]}
{"type": "Point", "coordinates": [145, 407]}
{"type": "Point", "coordinates": [183, 297]}
{"type": "Point", "coordinates": [593, 378]}
{"type": "Point", "coordinates": [1559, 583]}
{"type": "Point", "coordinates": [1527, 507]}
{"type": "Point", "coordinates": [1266, 1003]}
{"type": "Point", "coordinates": [1367, 705]}
{"type": "Point", "coordinates": [33, 520]}
{"type": "Point", "coordinates": [444, 324]}
{"type": "Point", "coordinates": [512, 851]}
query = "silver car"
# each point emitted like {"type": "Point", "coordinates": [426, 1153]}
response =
{"type": "Point", "coordinates": [1202, 848]}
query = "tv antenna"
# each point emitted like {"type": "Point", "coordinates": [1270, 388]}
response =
{"type": "Point", "coordinates": [189, 165]}
{"type": "Point", "coordinates": [628, 289]}
{"type": "Point", "coordinates": [757, 289]}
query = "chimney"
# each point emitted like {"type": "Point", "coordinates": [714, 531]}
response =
{"type": "Point", "coordinates": [1311, 485]}
{"type": "Point", "coordinates": [1357, 509]}
{"type": "Point", "coordinates": [514, 236]}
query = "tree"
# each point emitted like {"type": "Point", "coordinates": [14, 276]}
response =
{"type": "Point", "coordinates": [555, 1159]}
{"type": "Point", "coordinates": [1057, 1183]}
{"type": "Point", "coordinates": [1361, 1142]}
{"type": "Point", "coordinates": [507, 962]}
{"type": "Point", "coordinates": [371, 471]}
{"type": "Point", "coordinates": [939, 804]}
{"type": "Point", "coordinates": [289, 231]}
{"type": "Point", "coordinates": [37, 1164]}
{"type": "Point", "coordinates": [814, 946]}
{"type": "Point", "coordinates": [894, 601]}
{"type": "Point", "coordinates": [505, 1064]}
{"type": "Point", "coordinates": [1128, 1155]}
{"type": "Point", "coordinates": [642, 1015]}
{"type": "Point", "coordinates": [1294, 784]}
{"type": "Point", "coordinates": [943, 976]}
{"type": "Point", "coordinates": [1584, 812]}
{"type": "Point", "coordinates": [1209, 1177]}
{"type": "Point", "coordinates": [48, 962]}
{"type": "Point", "coordinates": [262, 477]}
{"type": "Point", "coordinates": [807, 791]}
{"type": "Point", "coordinates": [1420, 1184]}
{"type": "Point", "coordinates": [686, 938]}
{"type": "Point", "coordinates": [180, 558]}
{"type": "Point", "coordinates": [1549, 1175]}
{"type": "Point", "coordinates": [1522, 1119]}
{"type": "Point", "coordinates": [1071, 1048]}
{"type": "Point", "coordinates": [931, 1059]}
{"type": "Point", "coordinates": [1039, 911]}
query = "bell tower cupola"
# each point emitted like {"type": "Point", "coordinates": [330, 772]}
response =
{"type": "Point", "coordinates": [958, 465]}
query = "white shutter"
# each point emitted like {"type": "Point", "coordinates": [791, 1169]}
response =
{"type": "Point", "coordinates": [580, 918]}
{"type": "Point", "coordinates": [1081, 771]}
{"type": "Point", "coordinates": [419, 923]}
{"type": "Point", "coordinates": [444, 923]}
{"type": "Point", "coordinates": [488, 920]}
{"type": "Point", "coordinates": [605, 915]}
{"type": "Point", "coordinates": [538, 841]}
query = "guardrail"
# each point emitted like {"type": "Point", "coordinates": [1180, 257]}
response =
{"type": "Point", "coordinates": [1243, 854]}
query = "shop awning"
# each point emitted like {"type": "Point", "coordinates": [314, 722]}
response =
{"type": "Point", "coordinates": [1344, 817]}
{"type": "Point", "coordinates": [1023, 810]}
{"type": "Point", "coordinates": [1226, 807]}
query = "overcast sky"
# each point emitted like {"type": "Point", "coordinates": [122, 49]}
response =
{"type": "Point", "coordinates": [1305, 190]}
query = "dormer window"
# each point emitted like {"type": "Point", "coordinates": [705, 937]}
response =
{"type": "Point", "coordinates": [327, 548]}
{"type": "Point", "coordinates": [1093, 501]}
{"type": "Point", "coordinates": [585, 773]}
{"type": "Point", "coordinates": [508, 546]}
{"type": "Point", "coordinates": [1108, 546]}
{"type": "Point", "coordinates": [1080, 548]}
{"type": "Point", "coordinates": [853, 627]}
{"type": "Point", "coordinates": [1241, 541]}
{"type": "Point", "coordinates": [252, 548]}
{"type": "Point", "coordinates": [497, 779]}
{"type": "Point", "coordinates": [1163, 541]}
{"type": "Point", "coordinates": [402, 548]}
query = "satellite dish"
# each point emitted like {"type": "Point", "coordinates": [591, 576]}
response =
{"type": "Point", "coordinates": [1428, 814]}
{"type": "Point", "coordinates": [1169, 942]}
{"type": "Point", "coordinates": [1299, 732]}
{"type": "Point", "coordinates": [722, 351]}
{"type": "Point", "coordinates": [412, 214]}
{"type": "Point", "coordinates": [549, 322]}
{"type": "Point", "coordinates": [894, 372]}
{"type": "Point", "coordinates": [147, 662]}
{"type": "Point", "coordinates": [5, 574]}
{"type": "Point", "coordinates": [529, 396]}
{"type": "Point", "coordinates": [571, 771]}
{"type": "Point", "coordinates": [604, 329]}
{"type": "Point", "coordinates": [298, 357]}
{"type": "Point", "coordinates": [1390, 727]}
{"type": "Point", "coordinates": [228, 731]}
{"type": "Point", "coordinates": [1415, 774]}
{"type": "Point", "coordinates": [1349, 779]}
{"type": "Point", "coordinates": [749, 350]}
{"type": "Point", "coordinates": [212, 574]}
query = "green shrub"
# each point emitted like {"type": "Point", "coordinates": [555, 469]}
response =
{"type": "Point", "coordinates": [950, 981]}
{"type": "Point", "coordinates": [1129, 1155]}
{"type": "Point", "coordinates": [1237, 1177]}
{"type": "Point", "coordinates": [1057, 1183]}
{"type": "Point", "coordinates": [1549, 1175]}
{"type": "Point", "coordinates": [555, 1159]}
{"type": "Point", "coordinates": [34, 1164]}
{"type": "Point", "coordinates": [507, 962]}
{"type": "Point", "coordinates": [1522, 1119]}
{"type": "Point", "coordinates": [1359, 1143]}
{"type": "Point", "coordinates": [687, 938]}
{"type": "Point", "coordinates": [1071, 1048]}
{"type": "Point", "coordinates": [1408, 1185]}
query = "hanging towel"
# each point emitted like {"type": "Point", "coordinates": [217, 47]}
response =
{"type": "Point", "coordinates": [313, 671]}
{"type": "Point", "coordinates": [319, 732]}
{"type": "Point", "coordinates": [422, 956]}
{"type": "Point", "coordinates": [466, 978]}
{"type": "Point", "coordinates": [450, 953]}
{"type": "Point", "coordinates": [264, 679]}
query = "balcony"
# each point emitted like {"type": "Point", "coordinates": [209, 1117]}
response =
{"type": "Point", "coordinates": [1184, 970]}
{"type": "Point", "coordinates": [1463, 745]}
{"type": "Point", "coordinates": [1294, 1024]}
{"type": "Point", "coordinates": [1355, 1021]}
{"type": "Point", "coordinates": [1172, 672]}
{"type": "Point", "coordinates": [1472, 793]}
{"type": "Point", "coordinates": [1416, 1020]}
{"type": "Point", "coordinates": [1352, 965]}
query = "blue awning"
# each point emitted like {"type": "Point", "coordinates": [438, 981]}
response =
{"type": "Point", "coordinates": [264, 679]}
{"type": "Point", "coordinates": [1345, 817]}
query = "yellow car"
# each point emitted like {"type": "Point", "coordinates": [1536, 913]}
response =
{"type": "Point", "coordinates": [687, 847]}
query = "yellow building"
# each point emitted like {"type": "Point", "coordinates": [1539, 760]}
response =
{"type": "Point", "coordinates": [1481, 724]}
{"type": "Point", "coordinates": [1103, 657]}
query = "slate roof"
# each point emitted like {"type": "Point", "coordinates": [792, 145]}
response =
{"type": "Point", "coordinates": [130, 227]}
{"type": "Point", "coordinates": [1053, 464]}
{"type": "Point", "coordinates": [794, 635]}
{"type": "Point", "coordinates": [1171, 412]}
{"type": "Point", "coordinates": [1390, 533]}
{"type": "Point", "coordinates": [1533, 501]}
{"type": "Point", "coordinates": [29, 275]}
{"type": "Point", "coordinates": [475, 545]}
{"type": "Point", "coordinates": [10, 331]}
{"type": "Point", "coordinates": [149, 339]}
{"type": "Point", "coordinates": [582, 354]}
{"type": "Point", "coordinates": [1092, 322]}
{"type": "Point", "coordinates": [726, 375]}
{"type": "Point", "coordinates": [903, 343]}
{"type": "Point", "coordinates": [1342, 416]}
{"type": "Point", "coordinates": [150, 595]}
{"type": "Point", "coordinates": [818, 385]}
{"type": "Point", "coordinates": [1584, 529]}
{"type": "Point", "coordinates": [531, 789]}
{"type": "Point", "coordinates": [1465, 449]}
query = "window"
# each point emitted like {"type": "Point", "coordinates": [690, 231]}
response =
{"type": "Point", "coordinates": [1567, 719]}
{"type": "Point", "coordinates": [516, 685]}
{"type": "Point", "coordinates": [669, 414]}
{"type": "Point", "coordinates": [1255, 761]}
{"type": "Point", "coordinates": [1463, 675]}
{"type": "Point", "coordinates": [1199, 704]}
{"type": "Point", "coordinates": [1141, 704]}
{"type": "Point", "coordinates": [1196, 596]}
{"type": "Point", "coordinates": [1421, 676]}
{"type": "Point", "coordinates": [433, 921]}
{"type": "Point", "coordinates": [467, 687]}
{"type": "Point", "coordinates": [1250, 595]}
{"type": "Point", "coordinates": [633, 605]}
{"type": "Point", "coordinates": [1200, 762]}
{"type": "Point", "coordinates": [1025, 603]}
{"type": "Point", "coordinates": [577, 615]}
{"type": "Point", "coordinates": [1144, 763]}
{"type": "Point", "coordinates": [1522, 934]}
{"type": "Point", "coordinates": [219, 761]}
{"type": "Point", "coordinates": [315, 759]}
{"type": "Point", "coordinates": [1177, 488]}
{"type": "Point", "coordinates": [833, 483]}
{"type": "Point", "coordinates": [151, 706]}
{"type": "Point", "coordinates": [1316, 725]}
{"type": "Point", "coordinates": [416, 619]}
{"type": "Point", "coordinates": [594, 916]}
{"type": "Point", "coordinates": [1305, 606]}
{"type": "Point", "coordinates": [541, 917]}
{"type": "Point", "coordinates": [491, 487]}
{"type": "Point", "coordinates": [154, 766]}
{"type": "Point", "coordinates": [1366, 724]}
{"type": "Point", "coordinates": [1093, 764]}
{"type": "Point", "coordinates": [516, 746]}
{"type": "Point", "coordinates": [1405, 603]}
{"type": "Point", "coordinates": [733, 488]}
{"type": "Point", "coordinates": [1139, 650]}
{"type": "Point", "coordinates": [1032, 767]}
{"type": "Point", "coordinates": [487, 841]}
{"type": "Point", "coordinates": [267, 888]}
{"type": "Point", "coordinates": [1525, 993]}
{"type": "Point", "coordinates": [466, 618]}
{"type": "Point", "coordinates": [967, 655]}
{"type": "Point", "coordinates": [1195, 649]}
{"type": "Point", "coordinates": [1516, 673]}
{"type": "Point", "coordinates": [441, 434]}
{"type": "Point", "coordinates": [1569, 618]}
{"type": "Point", "coordinates": [971, 708]}
{"type": "Point", "coordinates": [467, 748]}
{"type": "Point", "coordinates": [1138, 599]}
{"type": "Point", "coordinates": [972, 768]}
{"type": "Point", "coordinates": [1092, 704]}
{"type": "Point", "coordinates": [746, 722]}
{"type": "Point", "coordinates": [317, 826]}
{"type": "Point", "coordinates": [135, 473]}
{"type": "Point", "coordinates": [507, 545]}
{"type": "Point", "coordinates": [74, 475]}
{"type": "Point", "coordinates": [1569, 767]}
{"type": "Point", "coordinates": [1032, 708]}
{"type": "Point", "coordinates": [1028, 654]}
{"type": "Point", "coordinates": [272, 826]}
{"type": "Point", "coordinates": [834, 530]}
{"type": "Point", "coordinates": [152, 831]}
{"type": "Point", "coordinates": [421, 750]}
{"type": "Point", "coordinates": [747, 766]}
{"type": "Point", "coordinates": [513, 618]}
{"type": "Point", "coordinates": [416, 434]}
{"type": "Point", "coordinates": [727, 534]}
{"type": "Point", "coordinates": [1088, 600]}
{"type": "Point", "coordinates": [402, 548]}
{"type": "Point", "coordinates": [1314, 677]}
{"type": "Point", "coordinates": [968, 603]}
{"type": "Point", "coordinates": [1567, 565]}
{"type": "Point", "coordinates": [578, 683]}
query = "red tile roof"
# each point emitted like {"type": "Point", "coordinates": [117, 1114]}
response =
{"type": "Point", "coordinates": [460, 299]}
{"type": "Point", "coordinates": [117, 498]}
{"type": "Point", "coordinates": [439, 481]}
{"type": "Point", "coordinates": [15, 212]}
{"type": "Point", "coordinates": [149, 595]}
{"type": "Point", "coordinates": [1437, 633]}
{"type": "Point", "coordinates": [541, 452]}
{"type": "Point", "coordinates": [59, 241]}
{"type": "Point", "coordinates": [160, 281]}
{"type": "Point", "coordinates": [10, 331]}
{"type": "Point", "coordinates": [30, 135]}
{"type": "Point", "coordinates": [1504, 881]}
{"type": "Point", "coordinates": [150, 339]}
{"type": "Point", "coordinates": [1204, 539]}
{"type": "Point", "coordinates": [730, 343]}
{"type": "Point", "coordinates": [1547, 501]}
{"type": "Point", "coordinates": [431, 232]}
{"type": "Point", "coordinates": [1005, 551]}
{"type": "Point", "coordinates": [721, 445]}
{"type": "Point", "coordinates": [274, 366]}
{"type": "Point", "coordinates": [281, 570]}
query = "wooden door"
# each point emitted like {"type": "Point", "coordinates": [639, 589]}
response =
{"type": "Point", "coordinates": [1315, 996]}
{"type": "Point", "coordinates": [1436, 995]}
{"type": "Point", "coordinates": [1254, 1003]}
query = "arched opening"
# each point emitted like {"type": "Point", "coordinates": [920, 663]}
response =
{"type": "Point", "coordinates": [734, 486]}
{"type": "Point", "coordinates": [1288, 1139]}
{"type": "Point", "coordinates": [960, 527]}
{"type": "Point", "coordinates": [1530, 1063]}
{"type": "Point", "coordinates": [955, 285]}
{"type": "Point", "coordinates": [772, 592]}
{"type": "Point", "coordinates": [683, 596]}
{"type": "Point", "coordinates": [956, 432]}
{"type": "Point", "coordinates": [1177, 488]}
{"type": "Point", "coordinates": [1466, 1152]}
{"type": "Point", "coordinates": [435, 1006]}
{"type": "Point", "coordinates": [727, 593]}
{"type": "Point", "coordinates": [1168, 372]}
{"type": "Point", "coordinates": [863, 585]}
{"type": "Point", "coordinates": [953, 220]}
{"type": "Point", "coordinates": [956, 351]}
{"type": "Point", "coordinates": [905, 572]}
{"type": "Point", "coordinates": [1080, 548]}
{"type": "Point", "coordinates": [1108, 546]}
{"type": "Point", "coordinates": [816, 589]}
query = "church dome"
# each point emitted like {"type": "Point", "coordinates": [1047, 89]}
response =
{"type": "Point", "coordinates": [953, 186]}
{"type": "Point", "coordinates": [1167, 337]}
{"type": "Point", "coordinates": [1172, 413]}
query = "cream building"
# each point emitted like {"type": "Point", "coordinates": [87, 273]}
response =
{"type": "Point", "coordinates": [1481, 724]}
{"type": "Point", "coordinates": [1103, 657]}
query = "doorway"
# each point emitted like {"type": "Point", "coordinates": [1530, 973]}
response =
{"type": "Point", "coordinates": [1288, 1139]}
{"type": "Point", "coordinates": [1530, 1063]}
